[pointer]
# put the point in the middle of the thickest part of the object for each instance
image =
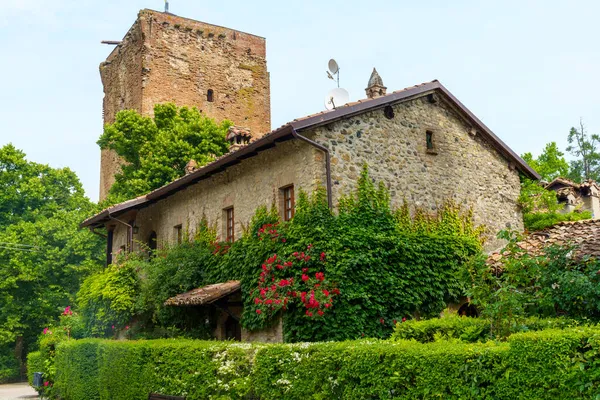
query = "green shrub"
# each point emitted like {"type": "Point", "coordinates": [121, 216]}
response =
{"type": "Point", "coordinates": [104, 369]}
{"type": "Point", "coordinates": [9, 365]}
{"type": "Point", "coordinates": [470, 329]}
{"type": "Point", "coordinates": [35, 363]}
{"type": "Point", "coordinates": [549, 364]}
{"type": "Point", "coordinates": [540, 220]}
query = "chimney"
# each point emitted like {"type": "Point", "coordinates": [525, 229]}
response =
{"type": "Point", "coordinates": [238, 137]}
{"type": "Point", "coordinates": [190, 167]}
{"type": "Point", "coordinates": [375, 86]}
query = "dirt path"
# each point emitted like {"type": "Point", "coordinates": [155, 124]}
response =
{"type": "Point", "coordinates": [16, 391]}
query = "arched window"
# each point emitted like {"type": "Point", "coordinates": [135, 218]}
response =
{"type": "Point", "coordinates": [210, 96]}
{"type": "Point", "coordinates": [152, 244]}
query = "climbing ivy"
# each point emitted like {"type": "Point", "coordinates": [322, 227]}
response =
{"type": "Point", "coordinates": [385, 264]}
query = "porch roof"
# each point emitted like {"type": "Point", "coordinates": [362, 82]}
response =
{"type": "Point", "coordinates": [204, 295]}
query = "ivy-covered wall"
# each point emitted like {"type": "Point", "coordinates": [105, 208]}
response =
{"type": "Point", "coordinates": [332, 276]}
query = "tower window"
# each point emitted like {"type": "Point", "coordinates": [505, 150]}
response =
{"type": "Point", "coordinates": [210, 96]}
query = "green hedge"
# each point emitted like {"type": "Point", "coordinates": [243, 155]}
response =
{"type": "Point", "coordinates": [104, 369]}
{"type": "Point", "coordinates": [549, 364]}
{"type": "Point", "coordinates": [470, 329]}
{"type": "Point", "coordinates": [35, 363]}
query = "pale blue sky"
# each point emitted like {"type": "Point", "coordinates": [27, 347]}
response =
{"type": "Point", "coordinates": [528, 69]}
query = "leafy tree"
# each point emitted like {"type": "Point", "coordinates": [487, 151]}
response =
{"type": "Point", "coordinates": [550, 164]}
{"type": "Point", "coordinates": [156, 150]}
{"type": "Point", "coordinates": [585, 147]}
{"type": "Point", "coordinates": [43, 254]}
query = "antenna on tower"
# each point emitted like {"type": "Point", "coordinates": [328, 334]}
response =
{"type": "Point", "coordinates": [167, 6]}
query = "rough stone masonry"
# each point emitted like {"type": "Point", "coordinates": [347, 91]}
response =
{"type": "Point", "coordinates": [166, 58]}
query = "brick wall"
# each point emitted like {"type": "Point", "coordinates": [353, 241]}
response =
{"type": "Point", "coordinates": [167, 58]}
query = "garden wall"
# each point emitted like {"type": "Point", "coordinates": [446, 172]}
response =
{"type": "Point", "coordinates": [549, 364]}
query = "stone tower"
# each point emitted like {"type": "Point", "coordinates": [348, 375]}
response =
{"type": "Point", "coordinates": [166, 58]}
{"type": "Point", "coordinates": [375, 86]}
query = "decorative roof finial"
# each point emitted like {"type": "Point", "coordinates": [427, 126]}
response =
{"type": "Point", "coordinates": [375, 87]}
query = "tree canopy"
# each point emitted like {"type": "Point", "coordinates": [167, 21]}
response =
{"type": "Point", "coordinates": [550, 164]}
{"type": "Point", "coordinates": [585, 147]}
{"type": "Point", "coordinates": [43, 253]}
{"type": "Point", "coordinates": [156, 150]}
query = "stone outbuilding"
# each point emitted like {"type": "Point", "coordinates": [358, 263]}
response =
{"type": "Point", "coordinates": [421, 142]}
{"type": "Point", "coordinates": [226, 297]}
{"type": "Point", "coordinates": [577, 196]}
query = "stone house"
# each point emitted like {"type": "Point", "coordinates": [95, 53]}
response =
{"type": "Point", "coordinates": [577, 196]}
{"type": "Point", "coordinates": [422, 142]}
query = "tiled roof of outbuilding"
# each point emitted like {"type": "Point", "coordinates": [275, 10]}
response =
{"type": "Point", "coordinates": [584, 235]}
{"type": "Point", "coordinates": [204, 295]}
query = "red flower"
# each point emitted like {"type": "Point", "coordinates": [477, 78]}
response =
{"type": "Point", "coordinates": [277, 301]}
{"type": "Point", "coordinates": [309, 246]}
{"type": "Point", "coordinates": [287, 263]}
{"type": "Point", "coordinates": [395, 322]}
{"type": "Point", "coordinates": [283, 240]}
{"type": "Point", "coordinates": [305, 277]}
{"type": "Point", "coordinates": [284, 282]}
{"type": "Point", "coordinates": [323, 256]}
{"type": "Point", "coordinates": [264, 267]}
{"type": "Point", "coordinates": [336, 291]}
{"type": "Point", "coordinates": [382, 320]}
{"type": "Point", "coordinates": [320, 276]}
{"type": "Point", "coordinates": [403, 319]}
{"type": "Point", "coordinates": [257, 301]}
{"type": "Point", "coordinates": [305, 270]}
{"type": "Point", "coordinates": [326, 292]}
{"type": "Point", "coordinates": [279, 266]}
{"type": "Point", "coordinates": [320, 312]}
{"type": "Point", "coordinates": [46, 383]}
{"type": "Point", "coordinates": [327, 305]}
{"type": "Point", "coordinates": [263, 292]}
{"type": "Point", "coordinates": [274, 288]}
{"type": "Point", "coordinates": [310, 314]}
{"type": "Point", "coordinates": [127, 328]}
{"type": "Point", "coordinates": [294, 294]}
{"type": "Point", "coordinates": [269, 301]}
{"type": "Point", "coordinates": [258, 311]}
{"type": "Point", "coordinates": [303, 297]}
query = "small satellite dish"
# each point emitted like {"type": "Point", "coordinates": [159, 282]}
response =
{"type": "Point", "coordinates": [336, 98]}
{"type": "Point", "coordinates": [333, 66]}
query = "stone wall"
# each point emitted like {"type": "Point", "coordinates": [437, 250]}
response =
{"type": "Point", "coordinates": [166, 58]}
{"type": "Point", "coordinates": [246, 186]}
{"type": "Point", "coordinates": [462, 166]}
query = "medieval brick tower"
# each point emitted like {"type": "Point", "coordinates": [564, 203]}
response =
{"type": "Point", "coordinates": [166, 58]}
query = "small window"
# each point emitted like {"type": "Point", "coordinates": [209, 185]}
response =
{"type": "Point", "coordinates": [429, 141]}
{"type": "Point", "coordinates": [178, 231]}
{"type": "Point", "coordinates": [388, 111]}
{"type": "Point", "coordinates": [288, 202]}
{"type": "Point", "coordinates": [229, 225]}
{"type": "Point", "coordinates": [210, 96]}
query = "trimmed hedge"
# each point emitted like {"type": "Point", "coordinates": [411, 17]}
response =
{"type": "Point", "coordinates": [105, 369]}
{"type": "Point", "coordinates": [35, 363]}
{"type": "Point", "coordinates": [549, 364]}
{"type": "Point", "coordinates": [469, 329]}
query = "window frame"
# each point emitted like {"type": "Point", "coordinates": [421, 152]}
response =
{"type": "Point", "coordinates": [430, 146]}
{"type": "Point", "coordinates": [288, 199]}
{"type": "Point", "coordinates": [178, 230]}
{"type": "Point", "coordinates": [229, 224]}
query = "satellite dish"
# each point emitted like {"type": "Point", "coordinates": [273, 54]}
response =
{"type": "Point", "coordinates": [336, 98]}
{"type": "Point", "coordinates": [333, 66]}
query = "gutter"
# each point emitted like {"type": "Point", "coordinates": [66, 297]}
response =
{"type": "Point", "coordinates": [327, 162]}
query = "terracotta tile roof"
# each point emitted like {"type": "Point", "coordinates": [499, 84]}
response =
{"type": "Point", "coordinates": [323, 118]}
{"type": "Point", "coordinates": [584, 235]}
{"type": "Point", "coordinates": [204, 295]}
